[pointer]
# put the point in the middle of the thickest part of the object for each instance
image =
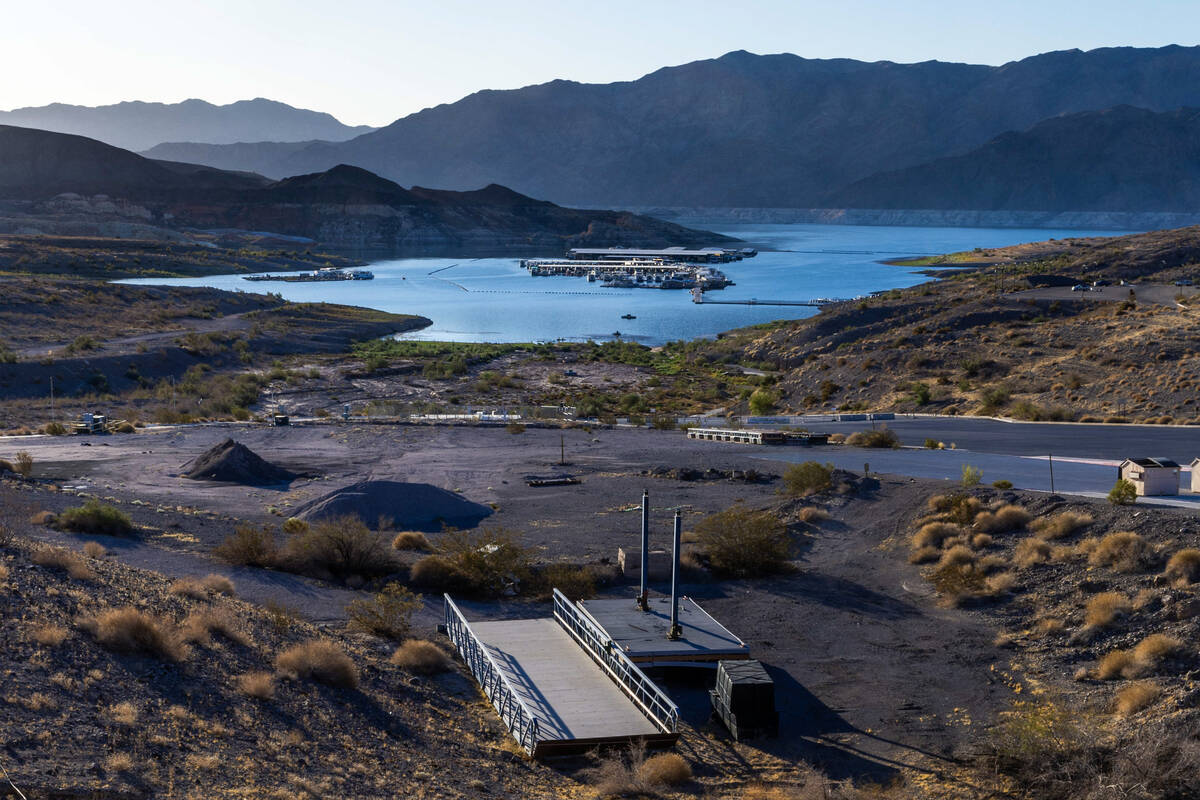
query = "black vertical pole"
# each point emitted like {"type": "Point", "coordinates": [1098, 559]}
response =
{"type": "Point", "coordinates": [674, 632]}
{"type": "Point", "coordinates": [643, 595]}
{"type": "Point", "coordinates": [1051, 457]}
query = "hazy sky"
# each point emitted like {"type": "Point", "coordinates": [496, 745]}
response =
{"type": "Point", "coordinates": [372, 61]}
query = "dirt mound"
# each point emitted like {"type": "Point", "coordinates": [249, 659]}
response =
{"type": "Point", "coordinates": [235, 463]}
{"type": "Point", "coordinates": [411, 506]}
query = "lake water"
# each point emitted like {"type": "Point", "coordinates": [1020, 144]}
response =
{"type": "Point", "coordinates": [494, 300]}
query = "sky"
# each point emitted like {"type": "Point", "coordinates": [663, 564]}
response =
{"type": "Point", "coordinates": [373, 61]}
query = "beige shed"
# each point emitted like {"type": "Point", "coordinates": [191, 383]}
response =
{"type": "Point", "coordinates": [1151, 476]}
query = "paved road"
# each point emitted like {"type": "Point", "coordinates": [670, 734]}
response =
{"type": "Point", "coordinates": [1113, 442]}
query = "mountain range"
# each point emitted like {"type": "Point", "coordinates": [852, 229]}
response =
{"type": "Point", "coordinates": [758, 131]}
{"type": "Point", "coordinates": [45, 174]}
{"type": "Point", "coordinates": [138, 125]}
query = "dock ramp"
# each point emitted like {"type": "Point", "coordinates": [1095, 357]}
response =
{"type": "Point", "coordinates": [560, 684]}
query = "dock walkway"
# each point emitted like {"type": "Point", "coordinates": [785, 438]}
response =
{"type": "Point", "coordinates": [558, 683]}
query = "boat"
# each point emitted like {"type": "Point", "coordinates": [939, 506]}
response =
{"type": "Point", "coordinates": [628, 316]}
{"type": "Point", "coordinates": [616, 333]}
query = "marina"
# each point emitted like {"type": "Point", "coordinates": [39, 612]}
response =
{"type": "Point", "coordinates": [316, 276]}
{"type": "Point", "coordinates": [632, 274]}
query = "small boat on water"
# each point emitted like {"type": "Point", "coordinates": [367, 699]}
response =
{"type": "Point", "coordinates": [617, 334]}
{"type": "Point", "coordinates": [628, 316]}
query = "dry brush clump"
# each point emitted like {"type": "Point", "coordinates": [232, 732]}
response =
{"type": "Point", "coordinates": [411, 540]}
{"type": "Point", "coordinates": [1056, 526]}
{"type": "Point", "coordinates": [131, 630]}
{"type": "Point", "coordinates": [259, 685]}
{"type": "Point", "coordinates": [633, 775]}
{"type": "Point", "coordinates": [1031, 551]}
{"type": "Point", "coordinates": [94, 550]}
{"type": "Point", "coordinates": [1136, 697]}
{"type": "Point", "coordinates": [1184, 566]}
{"type": "Point", "coordinates": [318, 660]}
{"type": "Point", "coordinates": [203, 588]}
{"type": "Point", "coordinates": [49, 635]}
{"type": "Point", "coordinates": [1105, 608]}
{"type": "Point", "coordinates": [577, 583]}
{"type": "Point", "coordinates": [249, 546]}
{"type": "Point", "coordinates": [199, 626]}
{"type": "Point", "coordinates": [1002, 520]}
{"type": "Point", "coordinates": [744, 543]}
{"type": "Point", "coordinates": [813, 514]}
{"type": "Point", "coordinates": [421, 657]}
{"type": "Point", "coordinates": [934, 534]}
{"type": "Point", "coordinates": [387, 613]}
{"type": "Point", "coordinates": [1143, 659]}
{"type": "Point", "coordinates": [61, 558]}
{"type": "Point", "coordinates": [1123, 551]}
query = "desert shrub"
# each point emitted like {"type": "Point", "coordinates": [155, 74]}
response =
{"type": "Point", "coordinates": [95, 518]}
{"type": "Point", "coordinates": [1115, 664]}
{"type": "Point", "coordinates": [924, 555]}
{"type": "Point", "coordinates": [410, 540]}
{"type": "Point", "coordinates": [1030, 551]}
{"type": "Point", "coordinates": [198, 627]}
{"type": "Point", "coordinates": [3, 572]}
{"type": "Point", "coordinates": [1124, 551]}
{"type": "Point", "coordinates": [971, 476]}
{"type": "Point", "coordinates": [49, 635]}
{"type": "Point", "coordinates": [957, 581]}
{"type": "Point", "coordinates": [990, 564]}
{"type": "Point", "coordinates": [744, 543]}
{"type": "Point", "coordinates": [1059, 525]}
{"type": "Point", "coordinates": [1154, 648]}
{"type": "Point", "coordinates": [1184, 565]}
{"type": "Point", "coordinates": [61, 558]}
{"type": "Point", "coordinates": [813, 515]}
{"type": "Point", "coordinates": [218, 584]}
{"type": "Point", "coordinates": [1001, 583]}
{"type": "Point", "coordinates": [318, 660]}
{"type": "Point", "coordinates": [957, 507]}
{"type": "Point", "coordinates": [1002, 484]}
{"type": "Point", "coordinates": [259, 685]}
{"type": "Point", "coordinates": [340, 548]}
{"type": "Point", "coordinates": [1135, 697]}
{"type": "Point", "coordinates": [421, 657]}
{"type": "Point", "coordinates": [439, 573]}
{"type": "Point", "coordinates": [665, 769]}
{"type": "Point", "coordinates": [514, 427]}
{"type": "Point", "coordinates": [808, 477]}
{"type": "Point", "coordinates": [54, 429]}
{"type": "Point", "coordinates": [249, 547]}
{"type": "Point", "coordinates": [492, 559]}
{"type": "Point", "coordinates": [577, 583]}
{"type": "Point", "coordinates": [94, 550]}
{"type": "Point", "coordinates": [957, 556]}
{"type": "Point", "coordinates": [1035, 743]}
{"type": "Point", "coordinates": [131, 630]}
{"type": "Point", "coordinates": [981, 540]}
{"type": "Point", "coordinates": [43, 518]}
{"type": "Point", "coordinates": [387, 613]}
{"type": "Point", "coordinates": [932, 534]}
{"type": "Point", "coordinates": [1123, 493]}
{"type": "Point", "coordinates": [933, 444]}
{"type": "Point", "coordinates": [837, 438]}
{"type": "Point", "coordinates": [1103, 609]}
{"type": "Point", "coordinates": [294, 525]}
{"type": "Point", "coordinates": [23, 462]}
{"type": "Point", "coordinates": [1004, 519]}
{"type": "Point", "coordinates": [880, 437]}
{"type": "Point", "coordinates": [189, 587]}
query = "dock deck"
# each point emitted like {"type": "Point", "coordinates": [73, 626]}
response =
{"type": "Point", "coordinates": [571, 698]}
{"type": "Point", "coordinates": [642, 635]}
{"type": "Point", "coordinates": [559, 685]}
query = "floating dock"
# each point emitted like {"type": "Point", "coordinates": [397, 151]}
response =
{"type": "Point", "coordinates": [559, 684]}
{"type": "Point", "coordinates": [642, 635]}
{"type": "Point", "coordinates": [317, 276]}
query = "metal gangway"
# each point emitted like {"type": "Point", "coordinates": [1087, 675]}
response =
{"type": "Point", "coordinates": [560, 684]}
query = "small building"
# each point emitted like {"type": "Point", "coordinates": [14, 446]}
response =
{"type": "Point", "coordinates": [1195, 466]}
{"type": "Point", "coordinates": [1151, 476]}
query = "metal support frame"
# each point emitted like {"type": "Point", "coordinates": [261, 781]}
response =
{"type": "Point", "coordinates": [644, 594]}
{"type": "Point", "coordinates": [508, 704]}
{"type": "Point", "coordinates": [675, 632]}
{"type": "Point", "coordinates": [627, 675]}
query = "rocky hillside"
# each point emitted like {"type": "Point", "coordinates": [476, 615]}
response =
{"type": "Point", "coordinates": [344, 206]}
{"type": "Point", "coordinates": [740, 130]}
{"type": "Point", "coordinates": [983, 341]}
{"type": "Point", "coordinates": [138, 125]}
{"type": "Point", "coordinates": [1120, 159]}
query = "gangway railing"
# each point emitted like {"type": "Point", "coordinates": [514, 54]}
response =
{"type": "Point", "coordinates": [627, 675]}
{"type": "Point", "coordinates": [508, 704]}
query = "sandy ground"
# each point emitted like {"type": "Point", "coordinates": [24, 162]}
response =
{"type": "Point", "coordinates": [871, 673]}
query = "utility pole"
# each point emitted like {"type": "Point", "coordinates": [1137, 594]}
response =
{"type": "Point", "coordinates": [562, 449]}
{"type": "Point", "coordinates": [52, 395]}
{"type": "Point", "coordinates": [1051, 457]}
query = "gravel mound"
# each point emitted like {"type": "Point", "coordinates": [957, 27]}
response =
{"type": "Point", "coordinates": [233, 462]}
{"type": "Point", "coordinates": [408, 506]}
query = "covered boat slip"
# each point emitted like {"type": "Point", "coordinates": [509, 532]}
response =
{"type": "Point", "coordinates": [559, 684]}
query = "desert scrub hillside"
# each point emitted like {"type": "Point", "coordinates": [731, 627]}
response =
{"type": "Point", "coordinates": [1100, 606]}
{"type": "Point", "coordinates": [121, 683]}
{"type": "Point", "coordinates": [972, 344]}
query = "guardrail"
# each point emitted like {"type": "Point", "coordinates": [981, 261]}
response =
{"type": "Point", "coordinates": [605, 652]}
{"type": "Point", "coordinates": [508, 704]}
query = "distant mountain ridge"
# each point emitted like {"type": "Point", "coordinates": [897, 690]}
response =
{"type": "Point", "coordinates": [43, 174]}
{"type": "Point", "coordinates": [742, 130]}
{"type": "Point", "coordinates": [1118, 159]}
{"type": "Point", "coordinates": [139, 125]}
